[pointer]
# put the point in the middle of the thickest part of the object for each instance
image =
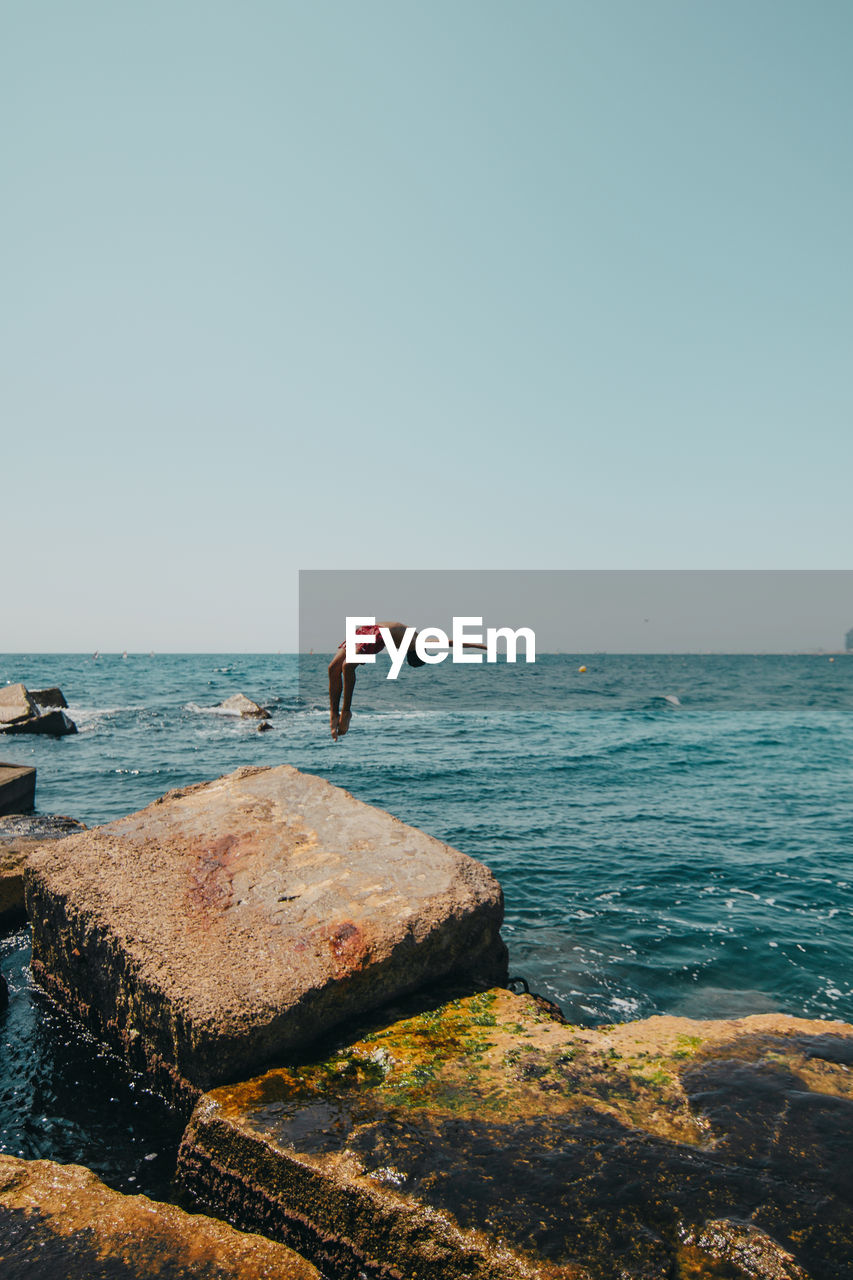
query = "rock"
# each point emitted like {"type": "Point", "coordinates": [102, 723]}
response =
{"type": "Point", "coordinates": [15, 704]}
{"type": "Point", "coordinates": [239, 705]}
{"type": "Point", "coordinates": [264, 726]}
{"type": "Point", "coordinates": [13, 860]}
{"type": "Point", "coordinates": [486, 1140]}
{"type": "Point", "coordinates": [55, 723]}
{"type": "Point", "coordinates": [4, 993]}
{"type": "Point", "coordinates": [52, 697]}
{"type": "Point", "coordinates": [236, 921]}
{"type": "Point", "coordinates": [19, 712]}
{"type": "Point", "coordinates": [17, 788]}
{"type": "Point", "coordinates": [33, 828]}
{"type": "Point", "coordinates": [19, 835]}
{"type": "Point", "coordinates": [59, 1222]}
{"type": "Point", "coordinates": [741, 1250]}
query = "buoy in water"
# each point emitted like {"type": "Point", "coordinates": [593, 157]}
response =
{"type": "Point", "coordinates": [581, 669]}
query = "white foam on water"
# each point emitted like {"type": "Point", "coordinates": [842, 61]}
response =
{"type": "Point", "coordinates": [227, 712]}
{"type": "Point", "coordinates": [624, 1005]}
{"type": "Point", "coordinates": [88, 717]}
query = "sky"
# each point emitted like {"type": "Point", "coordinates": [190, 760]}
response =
{"type": "Point", "coordinates": [390, 285]}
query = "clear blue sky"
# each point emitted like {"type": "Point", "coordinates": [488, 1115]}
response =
{"type": "Point", "coordinates": [382, 285]}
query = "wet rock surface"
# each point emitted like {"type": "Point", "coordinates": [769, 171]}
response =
{"type": "Point", "coordinates": [52, 697]}
{"type": "Point", "coordinates": [16, 828]}
{"type": "Point", "coordinates": [485, 1139]}
{"type": "Point", "coordinates": [232, 923]}
{"type": "Point", "coordinates": [59, 1222]}
{"type": "Point", "coordinates": [56, 724]}
{"type": "Point", "coordinates": [19, 835]}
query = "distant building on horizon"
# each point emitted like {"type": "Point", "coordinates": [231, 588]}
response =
{"type": "Point", "coordinates": [849, 641]}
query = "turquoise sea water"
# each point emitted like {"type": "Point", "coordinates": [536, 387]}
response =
{"type": "Point", "coordinates": [673, 833]}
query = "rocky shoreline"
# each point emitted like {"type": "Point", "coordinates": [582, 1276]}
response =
{"type": "Point", "coordinates": [324, 989]}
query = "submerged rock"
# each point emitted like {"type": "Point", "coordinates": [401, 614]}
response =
{"type": "Point", "coordinates": [239, 705]}
{"type": "Point", "coordinates": [60, 1222]}
{"type": "Point", "coordinates": [30, 829]}
{"type": "Point", "coordinates": [484, 1140]}
{"type": "Point", "coordinates": [19, 835]}
{"type": "Point", "coordinates": [236, 921]}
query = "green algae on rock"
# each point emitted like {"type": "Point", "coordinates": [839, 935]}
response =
{"type": "Point", "coordinates": [60, 1222]}
{"type": "Point", "coordinates": [482, 1139]}
{"type": "Point", "coordinates": [227, 925]}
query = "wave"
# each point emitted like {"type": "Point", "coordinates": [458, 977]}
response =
{"type": "Point", "coordinates": [88, 717]}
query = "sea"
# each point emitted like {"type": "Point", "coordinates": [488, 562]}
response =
{"type": "Point", "coordinates": [673, 834]}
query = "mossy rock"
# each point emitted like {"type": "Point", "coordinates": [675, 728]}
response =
{"type": "Point", "coordinates": [483, 1139]}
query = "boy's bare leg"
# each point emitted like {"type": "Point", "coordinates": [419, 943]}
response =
{"type": "Point", "coordinates": [349, 671]}
{"type": "Point", "coordinates": [335, 686]}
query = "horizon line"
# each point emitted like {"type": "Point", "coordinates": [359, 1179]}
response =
{"type": "Point", "coordinates": [542, 653]}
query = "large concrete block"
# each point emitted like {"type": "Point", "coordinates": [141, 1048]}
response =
{"type": "Point", "coordinates": [484, 1141]}
{"type": "Point", "coordinates": [59, 1222]}
{"type": "Point", "coordinates": [232, 923]}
